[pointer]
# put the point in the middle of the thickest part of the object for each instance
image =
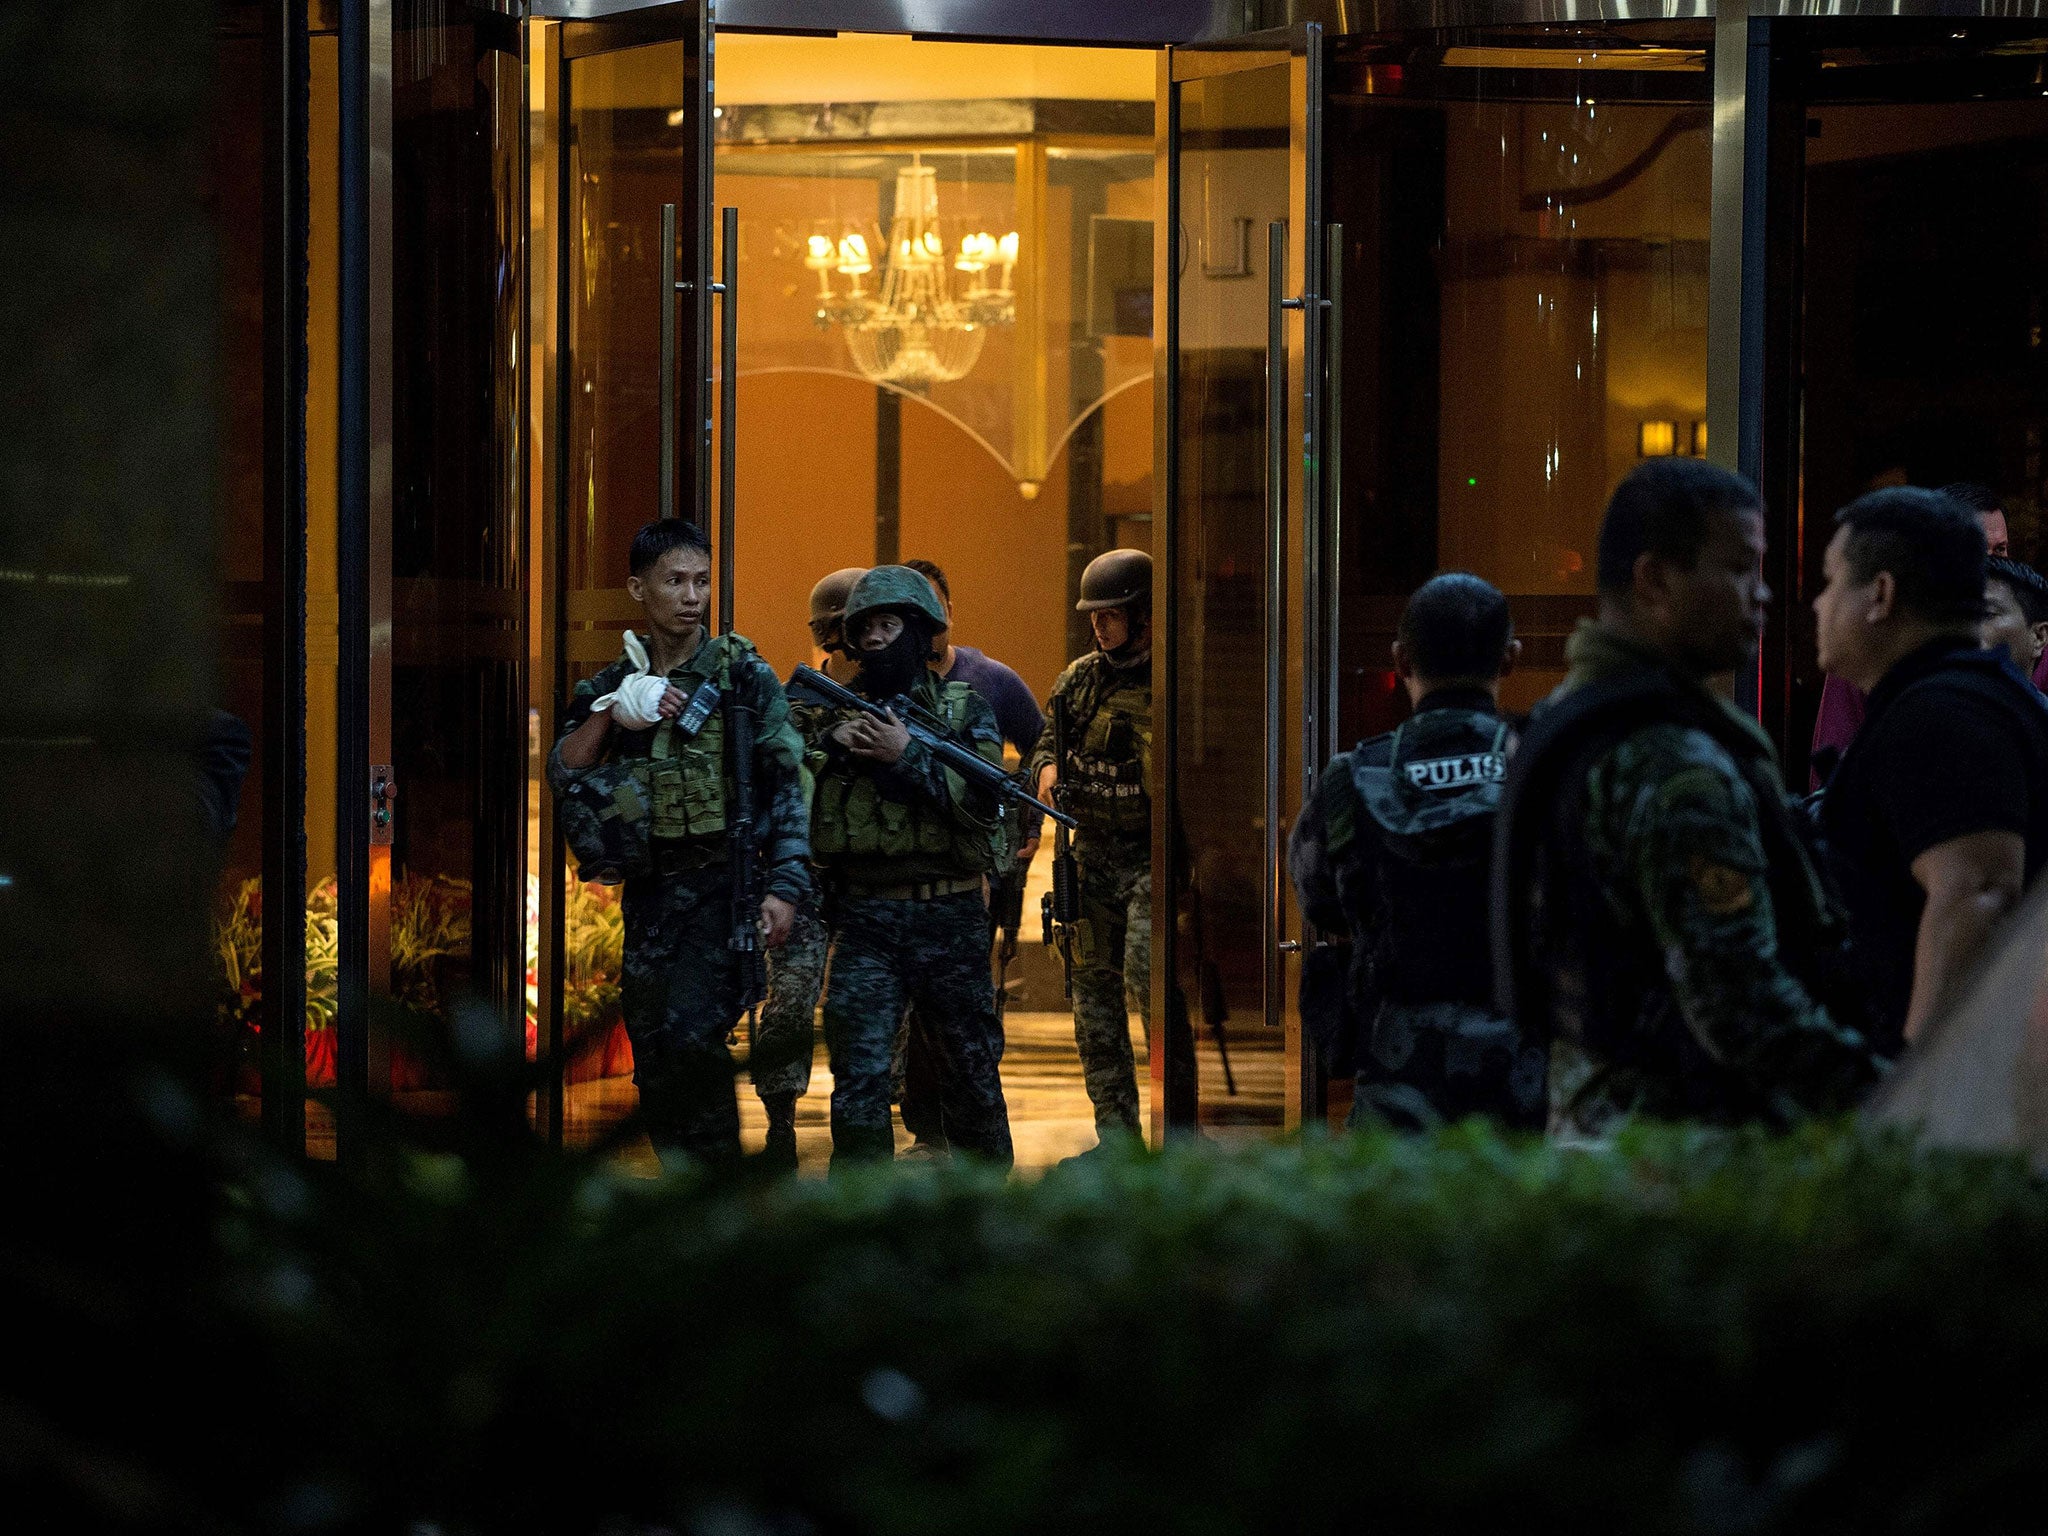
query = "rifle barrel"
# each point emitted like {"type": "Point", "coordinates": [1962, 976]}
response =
{"type": "Point", "coordinates": [962, 759]}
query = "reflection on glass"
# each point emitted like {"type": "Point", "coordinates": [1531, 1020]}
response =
{"type": "Point", "coordinates": [1921, 342]}
{"type": "Point", "coordinates": [235, 189]}
{"type": "Point", "coordinates": [457, 561]}
{"type": "Point", "coordinates": [1234, 179]}
{"type": "Point", "coordinates": [1526, 305]}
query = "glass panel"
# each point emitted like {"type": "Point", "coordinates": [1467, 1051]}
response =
{"type": "Point", "coordinates": [1925, 157]}
{"type": "Point", "coordinates": [1009, 477]}
{"type": "Point", "coordinates": [235, 182]}
{"type": "Point", "coordinates": [628, 150]}
{"type": "Point", "coordinates": [458, 559]}
{"type": "Point", "coordinates": [1235, 178]}
{"type": "Point", "coordinates": [1525, 316]}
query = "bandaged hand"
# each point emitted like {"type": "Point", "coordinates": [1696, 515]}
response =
{"type": "Point", "coordinates": [636, 702]}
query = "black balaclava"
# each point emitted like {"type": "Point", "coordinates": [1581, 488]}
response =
{"type": "Point", "coordinates": [1134, 650]}
{"type": "Point", "coordinates": [895, 667]}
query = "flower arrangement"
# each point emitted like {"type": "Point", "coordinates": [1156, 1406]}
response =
{"type": "Point", "coordinates": [429, 922]}
{"type": "Point", "coordinates": [593, 957]}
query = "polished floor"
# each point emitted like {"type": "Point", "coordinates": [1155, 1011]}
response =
{"type": "Point", "coordinates": [1049, 1112]}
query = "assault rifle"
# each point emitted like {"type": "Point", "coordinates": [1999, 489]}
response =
{"type": "Point", "coordinates": [744, 855]}
{"type": "Point", "coordinates": [938, 739]}
{"type": "Point", "coordinates": [1060, 907]}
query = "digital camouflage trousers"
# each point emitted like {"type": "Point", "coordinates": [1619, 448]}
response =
{"type": "Point", "coordinates": [888, 955]}
{"type": "Point", "coordinates": [680, 996]}
{"type": "Point", "coordinates": [780, 1051]}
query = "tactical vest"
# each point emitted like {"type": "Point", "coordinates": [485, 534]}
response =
{"type": "Point", "coordinates": [1429, 814]}
{"type": "Point", "coordinates": [1558, 944]}
{"type": "Point", "coordinates": [857, 813]}
{"type": "Point", "coordinates": [1104, 777]}
{"type": "Point", "coordinates": [676, 790]}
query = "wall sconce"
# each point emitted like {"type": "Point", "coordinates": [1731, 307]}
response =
{"type": "Point", "coordinates": [1656, 439]}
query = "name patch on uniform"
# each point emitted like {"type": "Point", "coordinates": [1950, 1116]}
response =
{"type": "Point", "coordinates": [1441, 773]}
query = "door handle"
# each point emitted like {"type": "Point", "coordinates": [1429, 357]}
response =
{"type": "Point", "coordinates": [727, 289]}
{"type": "Point", "coordinates": [1274, 897]}
{"type": "Point", "coordinates": [665, 504]}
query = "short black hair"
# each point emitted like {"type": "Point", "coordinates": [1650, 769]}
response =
{"type": "Point", "coordinates": [1980, 499]}
{"type": "Point", "coordinates": [930, 571]}
{"type": "Point", "coordinates": [2028, 587]}
{"type": "Point", "coordinates": [1931, 543]}
{"type": "Point", "coordinates": [663, 535]}
{"type": "Point", "coordinates": [1666, 507]}
{"type": "Point", "coordinates": [1456, 625]}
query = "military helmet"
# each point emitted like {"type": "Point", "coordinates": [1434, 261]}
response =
{"type": "Point", "coordinates": [603, 814]}
{"type": "Point", "coordinates": [1118, 578]}
{"type": "Point", "coordinates": [828, 597]}
{"type": "Point", "coordinates": [894, 586]}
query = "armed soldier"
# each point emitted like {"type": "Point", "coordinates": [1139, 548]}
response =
{"type": "Point", "coordinates": [658, 755]}
{"type": "Point", "coordinates": [780, 1058]}
{"type": "Point", "coordinates": [904, 845]}
{"type": "Point", "coordinates": [1657, 914]}
{"type": "Point", "coordinates": [1101, 711]}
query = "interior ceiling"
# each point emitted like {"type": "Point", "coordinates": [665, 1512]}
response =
{"type": "Point", "coordinates": [761, 70]}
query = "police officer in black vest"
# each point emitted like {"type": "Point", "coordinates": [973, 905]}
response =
{"type": "Point", "coordinates": [1394, 849]}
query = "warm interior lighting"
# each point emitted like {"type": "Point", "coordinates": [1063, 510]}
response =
{"type": "Point", "coordinates": [1699, 439]}
{"type": "Point", "coordinates": [923, 326]}
{"type": "Point", "coordinates": [1656, 439]}
{"type": "Point", "coordinates": [1690, 59]}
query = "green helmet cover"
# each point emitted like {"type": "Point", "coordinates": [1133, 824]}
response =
{"type": "Point", "coordinates": [894, 586]}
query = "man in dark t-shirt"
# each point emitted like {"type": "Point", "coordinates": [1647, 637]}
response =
{"type": "Point", "coordinates": [1019, 719]}
{"type": "Point", "coordinates": [1937, 817]}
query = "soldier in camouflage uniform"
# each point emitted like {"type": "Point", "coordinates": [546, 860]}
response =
{"type": "Point", "coordinates": [1106, 787]}
{"type": "Point", "coordinates": [1657, 912]}
{"type": "Point", "coordinates": [780, 1055]}
{"type": "Point", "coordinates": [644, 779]}
{"type": "Point", "coordinates": [904, 848]}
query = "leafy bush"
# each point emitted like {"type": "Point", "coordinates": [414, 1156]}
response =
{"type": "Point", "coordinates": [1689, 1332]}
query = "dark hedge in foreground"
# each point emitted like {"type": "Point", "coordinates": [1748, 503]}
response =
{"type": "Point", "coordinates": [1689, 1332]}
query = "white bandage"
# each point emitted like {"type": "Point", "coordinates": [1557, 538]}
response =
{"type": "Point", "coordinates": [636, 702]}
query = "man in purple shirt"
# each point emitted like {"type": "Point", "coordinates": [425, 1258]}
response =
{"type": "Point", "coordinates": [1020, 720]}
{"type": "Point", "coordinates": [1842, 706]}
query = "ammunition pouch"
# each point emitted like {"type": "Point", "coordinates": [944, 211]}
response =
{"type": "Point", "coordinates": [605, 817]}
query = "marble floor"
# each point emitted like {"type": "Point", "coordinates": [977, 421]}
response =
{"type": "Point", "coordinates": [1049, 1113]}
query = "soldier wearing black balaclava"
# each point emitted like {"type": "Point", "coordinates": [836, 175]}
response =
{"type": "Point", "coordinates": [903, 848]}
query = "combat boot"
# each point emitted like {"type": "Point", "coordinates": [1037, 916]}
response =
{"type": "Point", "coordinates": [779, 1155]}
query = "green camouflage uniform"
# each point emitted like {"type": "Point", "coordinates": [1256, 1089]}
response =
{"type": "Point", "coordinates": [1106, 788]}
{"type": "Point", "coordinates": [903, 849]}
{"type": "Point", "coordinates": [1676, 846]}
{"type": "Point", "coordinates": [680, 988]}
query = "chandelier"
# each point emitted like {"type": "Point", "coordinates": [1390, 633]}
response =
{"type": "Point", "coordinates": [925, 319]}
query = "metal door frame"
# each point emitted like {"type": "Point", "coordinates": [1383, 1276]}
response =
{"type": "Point", "coordinates": [587, 28]}
{"type": "Point", "coordinates": [1299, 680]}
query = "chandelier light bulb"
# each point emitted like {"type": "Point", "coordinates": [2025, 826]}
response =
{"type": "Point", "coordinates": [853, 255]}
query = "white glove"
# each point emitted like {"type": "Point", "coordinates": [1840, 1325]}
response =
{"type": "Point", "coordinates": [636, 702]}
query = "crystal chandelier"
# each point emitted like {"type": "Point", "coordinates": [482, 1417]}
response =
{"type": "Point", "coordinates": [927, 319]}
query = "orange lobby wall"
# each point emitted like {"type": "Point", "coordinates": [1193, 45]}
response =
{"type": "Point", "coordinates": [1005, 557]}
{"type": "Point", "coordinates": [804, 500]}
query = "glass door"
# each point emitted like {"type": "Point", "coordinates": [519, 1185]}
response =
{"type": "Point", "coordinates": [1242, 668]}
{"type": "Point", "coordinates": [1900, 275]}
{"type": "Point", "coordinates": [621, 121]}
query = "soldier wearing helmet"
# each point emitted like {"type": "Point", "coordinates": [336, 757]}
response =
{"type": "Point", "coordinates": [1105, 783]}
{"type": "Point", "coordinates": [903, 849]}
{"type": "Point", "coordinates": [779, 1058]}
